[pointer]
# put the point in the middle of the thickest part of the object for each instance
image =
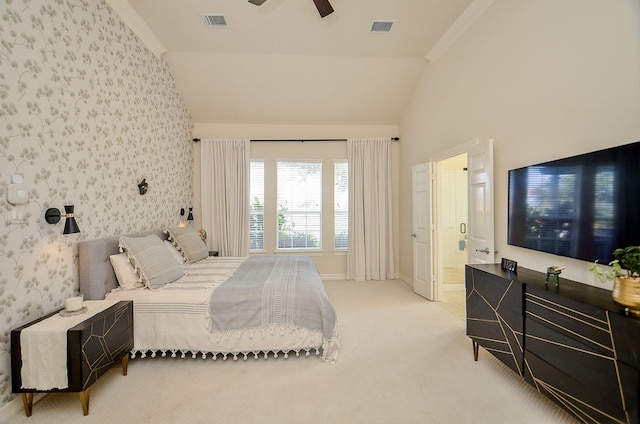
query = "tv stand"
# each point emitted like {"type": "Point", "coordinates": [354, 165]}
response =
{"type": "Point", "coordinates": [571, 342]}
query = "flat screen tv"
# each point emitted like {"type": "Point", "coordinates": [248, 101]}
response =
{"type": "Point", "coordinates": [581, 207]}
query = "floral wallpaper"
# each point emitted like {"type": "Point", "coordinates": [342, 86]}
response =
{"type": "Point", "coordinates": [86, 112]}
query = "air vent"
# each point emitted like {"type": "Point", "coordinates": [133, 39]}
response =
{"type": "Point", "coordinates": [215, 21]}
{"type": "Point", "coordinates": [381, 26]}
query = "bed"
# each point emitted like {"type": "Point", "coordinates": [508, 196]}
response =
{"type": "Point", "coordinates": [222, 307]}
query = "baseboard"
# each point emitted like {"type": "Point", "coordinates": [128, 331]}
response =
{"type": "Point", "coordinates": [333, 277]}
{"type": "Point", "coordinates": [405, 279]}
{"type": "Point", "coordinates": [336, 277]}
{"type": "Point", "coordinates": [15, 407]}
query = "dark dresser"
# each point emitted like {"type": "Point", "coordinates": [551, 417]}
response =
{"type": "Point", "coordinates": [571, 342]}
{"type": "Point", "coordinates": [93, 347]}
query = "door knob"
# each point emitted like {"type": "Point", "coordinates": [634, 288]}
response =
{"type": "Point", "coordinates": [414, 235]}
{"type": "Point", "coordinates": [485, 250]}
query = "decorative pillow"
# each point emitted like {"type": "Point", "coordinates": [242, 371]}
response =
{"type": "Point", "coordinates": [174, 252]}
{"type": "Point", "coordinates": [125, 273]}
{"type": "Point", "coordinates": [151, 260]}
{"type": "Point", "coordinates": [189, 243]}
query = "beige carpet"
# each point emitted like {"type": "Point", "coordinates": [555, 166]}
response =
{"type": "Point", "coordinates": [403, 360]}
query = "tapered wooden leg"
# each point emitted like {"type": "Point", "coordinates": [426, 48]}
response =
{"type": "Point", "coordinates": [27, 401]}
{"type": "Point", "coordinates": [125, 364]}
{"type": "Point", "coordinates": [84, 399]}
{"type": "Point", "coordinates": [476, 348]}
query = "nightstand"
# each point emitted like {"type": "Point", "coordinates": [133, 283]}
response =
{"type": "Point", "coordinates": [94, 345]}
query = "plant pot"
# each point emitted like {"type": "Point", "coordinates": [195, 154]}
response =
{"type": "Point", "coordinates": [626, 292]}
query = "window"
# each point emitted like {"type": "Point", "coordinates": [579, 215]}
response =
{"type": "Point", "coordinates": [299, 196]}
{"type": "Point", "coordinates": [340, 205]}
{"type": "Point", "coordinates": [256, 206]}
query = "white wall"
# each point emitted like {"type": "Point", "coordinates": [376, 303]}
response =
{"type": "Point", "coordinates": [545, 79]}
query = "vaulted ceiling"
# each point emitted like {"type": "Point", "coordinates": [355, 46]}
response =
{"type": "Point", "coordinates": [281, 63]}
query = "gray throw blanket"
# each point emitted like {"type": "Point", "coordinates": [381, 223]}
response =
{"type": "Point", "coordinates": [278, 290]}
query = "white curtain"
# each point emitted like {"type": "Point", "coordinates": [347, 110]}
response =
{"type": "Point", "coordinates": [225, 195]}
{"type": "Point", "coordinates": [370, 255]}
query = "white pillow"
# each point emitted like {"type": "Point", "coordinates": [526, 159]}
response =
{"type": "Point", "coordinates": [125, 273]}
{"type": "Point", "coordinates": [152, 260]}
{"type": "Point", "coordinates": [174, 252]}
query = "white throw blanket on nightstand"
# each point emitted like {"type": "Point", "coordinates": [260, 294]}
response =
{"type": "Point", "coordinates": [44, 348]}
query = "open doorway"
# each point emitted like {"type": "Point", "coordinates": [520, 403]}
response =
{"type": "Point", "coordinates": [452, 230]}
{"type": "Point", "coordinates": [470, 240]}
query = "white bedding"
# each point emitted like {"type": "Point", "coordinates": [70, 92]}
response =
{"type": "Point", "coordinates": [175, 320]}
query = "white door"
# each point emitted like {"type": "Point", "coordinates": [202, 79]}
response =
{"type": "Point", "coordinates": [423, 283]}
{"type": "Point", "coordinates": [480, 174]}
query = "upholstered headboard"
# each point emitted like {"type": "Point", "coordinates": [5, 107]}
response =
{"type": "Point", "coordinates": [94, 268]}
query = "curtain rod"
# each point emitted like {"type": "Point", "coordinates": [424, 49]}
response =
{"type": "Point", "coordinates": [302, 140]}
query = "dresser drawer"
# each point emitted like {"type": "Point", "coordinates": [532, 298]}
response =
{"type": "Point", "coordinates": [494, 316]}
{"type": "Point", "coordinates": [626, 339]}
{"type": "Point", "coordinates": [598, 399]}
{"type": "Point", "coordinates": [502, 294]}
{"type": "Point", "coordinates": [589, 326]}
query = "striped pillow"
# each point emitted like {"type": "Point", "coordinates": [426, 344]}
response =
{"type": "Point", "coordinates": [152, 260]}
{"type": "Point", "coordinates": [189, 243]}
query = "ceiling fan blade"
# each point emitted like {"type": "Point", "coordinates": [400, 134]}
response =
{"type": "Point", "coordinates": [324, 7]}
{"type": "Point", "coordinates": [257, 2]}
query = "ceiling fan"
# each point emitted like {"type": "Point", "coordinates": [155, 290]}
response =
{"type": "Point", "coordinates": [323, 6]}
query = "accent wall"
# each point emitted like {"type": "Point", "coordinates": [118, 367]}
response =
{"type": "Point", "coordinates": [86, 113]}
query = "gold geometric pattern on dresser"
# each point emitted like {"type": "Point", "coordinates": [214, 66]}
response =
{"type": "Point", "coordinates": [494, 317]}
{"type": "Point", "coordinates": [575, 344]}
{"type": "Point", "coordinates": [104, 343]}
{"type": "Point", "coordinates": [93, 347]}
{"type": "Point", "coordinates": [558, 335]}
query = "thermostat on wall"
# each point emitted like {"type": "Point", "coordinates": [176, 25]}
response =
{"type": "Point", "coordinates": [17, 193]}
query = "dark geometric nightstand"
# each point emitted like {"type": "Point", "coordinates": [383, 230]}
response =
{"type": "Point", "coordinates": [93, 346]}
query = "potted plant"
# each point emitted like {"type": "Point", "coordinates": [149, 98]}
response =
{"type": "Point", "coordinates": [625, 274]}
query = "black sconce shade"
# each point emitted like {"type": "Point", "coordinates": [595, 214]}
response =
{"type": "Point", "coordinates": [190, 216]}
{"type": "Point", "coordinates": [70, 225]}
{"type": "Point", "coordinates": [52, 216]}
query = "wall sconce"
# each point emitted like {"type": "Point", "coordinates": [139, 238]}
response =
{"type": "Point", "coordinates": [143, 186]}
{"type": "Point", "coordinates": [190, 216]}
{"type": "Point", "coordinates": [52, 216]}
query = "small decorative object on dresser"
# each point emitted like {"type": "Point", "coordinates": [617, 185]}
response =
{"type": "Point", "coordinates": [75, 347]}
{"type": "Point", "coordinates": [555, 272]}
{"type": "Point", "coordinates": [509, 264]}
{"type": "Point", "coordinates": [625, 274]}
